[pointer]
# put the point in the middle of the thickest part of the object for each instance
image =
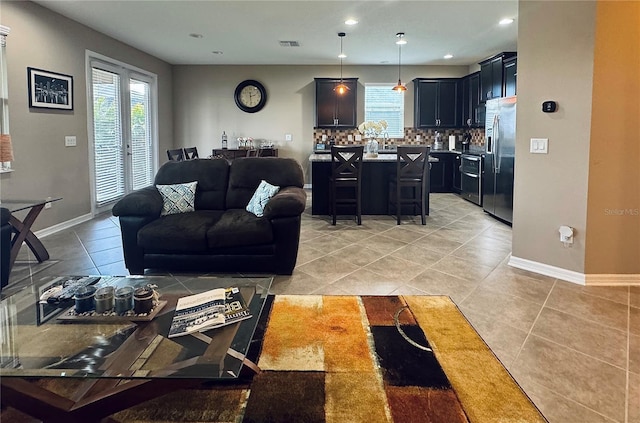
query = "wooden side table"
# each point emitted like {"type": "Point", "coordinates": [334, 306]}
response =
{"type": "Point", "coordinates": [22, 229]}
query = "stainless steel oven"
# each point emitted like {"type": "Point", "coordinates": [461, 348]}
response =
{"type": "Point", "coordinates": [471, 178]}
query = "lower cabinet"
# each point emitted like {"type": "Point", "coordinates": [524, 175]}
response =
{"type": "Point", "coordinates": [442, 172]}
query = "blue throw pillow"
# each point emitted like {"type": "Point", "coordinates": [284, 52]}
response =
{"type": "Point", "coordinates": [261, 197]}
{"type": "Point", "coordinates": [178, 198]}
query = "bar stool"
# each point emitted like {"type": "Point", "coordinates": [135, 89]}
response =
{"type": "Point", "coordinates": [412, 174]}
{"type": "Point", "coordinates": [346, 175]}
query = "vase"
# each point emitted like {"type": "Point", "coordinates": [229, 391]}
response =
{"type": "Point", "coordinates": [372, 147]}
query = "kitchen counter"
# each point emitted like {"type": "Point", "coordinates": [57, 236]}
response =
{"type": "Point", "coordinates": [382, 157]}
{"type": "Point", "coordinates": [376, 173]}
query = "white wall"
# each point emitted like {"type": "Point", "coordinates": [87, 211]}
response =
{"type": "Point", "coordinates": [204, 104]}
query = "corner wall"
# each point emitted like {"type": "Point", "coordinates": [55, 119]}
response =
{"type": "Point", "coordinates": [613, 206]}
{"type": "Point", "coordinates": [555, 62]}
{"type": "Point", "coordinates": [43, 166]}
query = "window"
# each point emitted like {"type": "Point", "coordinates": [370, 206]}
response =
{"type": "Point", "coordinates": [382, 103]}
{"type": "Point", "coordinates": [124, 133]}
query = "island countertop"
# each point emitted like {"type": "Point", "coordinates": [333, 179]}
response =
{"type": "Point", "coordinates": [381, 157]}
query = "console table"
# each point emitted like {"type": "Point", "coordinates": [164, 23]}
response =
{"type": "Point", "coordinates": [22, 229]}
{"type": "Point", "coordinates": [234, 153]}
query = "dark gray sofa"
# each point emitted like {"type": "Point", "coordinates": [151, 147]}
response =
{"type": "Point", "coordinates": [220, 235]}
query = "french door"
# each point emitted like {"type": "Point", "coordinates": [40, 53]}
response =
{"type": "Point", "coordinates": [124, 132]}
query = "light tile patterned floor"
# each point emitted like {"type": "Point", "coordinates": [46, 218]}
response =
{"type": "Point", "coordinates": [575, 350]}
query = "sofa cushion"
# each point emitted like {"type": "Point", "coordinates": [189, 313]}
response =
{"type": "Point", "coordinates": [238, 227]}
{"type": "Point", "coordinates": [212, 176]}
{"type": "Point", "coordinates": [179, 232]}
{"type": "Point", "coordinates": [178, 198]}
{"type": "Point", "coordinates": [247, 172]}
{"type": "Point", "coordinates": [261, 197]}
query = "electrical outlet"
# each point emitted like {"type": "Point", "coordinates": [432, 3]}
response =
{"type": "Point", "coordinates": [349, 137]}
{"type": "Point", "coordinates": [288, 137]}
{"type": "Point", "coordinates": [48, 204]}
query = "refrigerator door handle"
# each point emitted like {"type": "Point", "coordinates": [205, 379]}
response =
{"type": "Point", "coordinates": [496, 136]}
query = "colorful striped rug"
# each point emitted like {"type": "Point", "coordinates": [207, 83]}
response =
{"type": "Point", "coordinates": [360, 359]}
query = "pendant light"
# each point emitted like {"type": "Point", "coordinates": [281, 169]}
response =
{"type": "Point", "coordinates": [400, 88]}
{"type": "Point", "coordinates": [341, 88]}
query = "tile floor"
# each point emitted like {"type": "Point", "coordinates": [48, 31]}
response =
{"type": "Point", "coordinates": [574, 350]}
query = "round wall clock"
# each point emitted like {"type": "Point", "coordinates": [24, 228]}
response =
{"type": "Point", "coordinates": [250, 96]}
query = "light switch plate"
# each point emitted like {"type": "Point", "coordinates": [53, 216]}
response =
{"type": "Point", "coordinates": [358, 137]}
{"type": "Point", "coordinates": [539, 145]}
{"type": "Point", "coordinates": [70, 141]}
{"type": "Point", "coordinates": [349, 137]}
{"type": "Point", "coordinates": [288, 137]}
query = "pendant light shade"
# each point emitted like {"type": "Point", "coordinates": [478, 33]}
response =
{"type": "Point", "coordinates": [341, 88]}
{"type": "Point", "coordinates": [400, 88]}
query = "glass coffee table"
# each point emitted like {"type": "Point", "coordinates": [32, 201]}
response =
{"type": "Point", "coordinates": [117, 361]}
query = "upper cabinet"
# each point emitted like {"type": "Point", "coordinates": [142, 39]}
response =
{"type": "Point", "coordinates": [436, 103]}
{"type": "Point", "coordinates": [335, 110]}
{"type": "Point", "coordinates": [492, 76]}
{"type": "Point", "coordinates": [510, 72]}
{"type": "Point", "coordinates": [471, 105]}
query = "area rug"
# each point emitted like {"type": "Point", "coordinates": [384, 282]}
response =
{"type": "Point", "coordinates": [343, 359]}
{"type": "Point", "coordinates": [357, 359]}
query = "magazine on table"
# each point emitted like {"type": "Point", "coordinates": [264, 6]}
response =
{"type": "Point", "coordinates": [198, 312]}
{"type": "Point", "coordinates": [209, 310]}
{"type": "Point", "coordinates": [235, 306]}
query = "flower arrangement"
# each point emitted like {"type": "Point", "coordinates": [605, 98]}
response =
{"type": "Point", "coordinates": [372, 129]}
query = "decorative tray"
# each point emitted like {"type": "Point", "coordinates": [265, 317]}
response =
{"type": "Point", "coordinates": [92, 316]}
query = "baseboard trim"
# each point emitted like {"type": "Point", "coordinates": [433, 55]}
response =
{"type": "Point", "coordinates": [63, 225]}
{"type": "Point", "coordinates": [548, 270]}
{"type": "Point", "coordinates": [575, 277]}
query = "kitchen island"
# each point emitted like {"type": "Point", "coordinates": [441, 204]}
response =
{"type": "Point", "coordinates": [376, 172]}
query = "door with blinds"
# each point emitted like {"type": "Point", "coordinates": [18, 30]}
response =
{"type": "Point", "coordinates": [124, 135]}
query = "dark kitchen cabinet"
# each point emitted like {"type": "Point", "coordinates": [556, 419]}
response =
{"type": "Point", "coordinates": [335, 110]}
{"type": "Point", "coordinates": [510, 73]}
{"type": "Point", "coordinates": [471, 106]}
{"type": "Point", "coordinates": [457, 177]}
{"type": "Point", "coordinates": [436, 103]}
{"type": "Point", "coordinates": [441, 172]}
{"type": "Point", "coordinates": [492, 77]}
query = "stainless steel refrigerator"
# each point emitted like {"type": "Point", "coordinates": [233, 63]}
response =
{"type": "Point", "coordinates": [499, 159]}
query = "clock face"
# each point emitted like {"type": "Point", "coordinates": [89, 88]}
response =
{"type": "Point", "coordinates": [250, 96]}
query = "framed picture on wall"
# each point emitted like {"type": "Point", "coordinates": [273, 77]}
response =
{"type": "Point", "coordinates": [50, 90]}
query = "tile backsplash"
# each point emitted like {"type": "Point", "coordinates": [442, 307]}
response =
{"type": "Point", "coordinates": [427, 136]}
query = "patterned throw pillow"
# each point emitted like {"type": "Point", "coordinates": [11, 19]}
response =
{"type": "Point", "coordinates": [178, 198]}
{"type": "Point", "coordinates": [261, 197]}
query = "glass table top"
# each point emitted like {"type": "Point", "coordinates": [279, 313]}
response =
{"type": "Point", "coordinates": [22, 204]}
{"type": "Point", "coordinates": [38, 339]}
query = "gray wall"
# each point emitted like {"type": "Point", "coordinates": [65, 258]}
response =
{"type": "Point", "coordinates": [555, 62]}
{"type": "Point", "coordinates": [43, 165]}
{"type": "Point", "coordinates": [204, 104]}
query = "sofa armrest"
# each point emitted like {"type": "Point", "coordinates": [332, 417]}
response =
{"type": "Point", "coordinates": [143, 202]}
{"type": "Point", "coordinates": [289, 201]}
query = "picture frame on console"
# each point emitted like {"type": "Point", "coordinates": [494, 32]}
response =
{"type": "Point", "coordinates": [49, 90]}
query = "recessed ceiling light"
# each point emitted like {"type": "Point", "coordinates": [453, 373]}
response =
{"type": "Point", "coordinates": [448, 56]}
{"type": "Point", "coordinates": [194, 35]}
{"type": "Point", "coordinates": [216, 52]}
{"type": "Point", "coordinates": [384, 62]}
{"type": "Point", "coordinates": [342, 56]}
{"type": "Point", "coordinates": [506, 21]}
{"type": "Point", "coordinates": [351, 21]}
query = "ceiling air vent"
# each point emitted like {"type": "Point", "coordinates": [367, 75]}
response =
{"type": "Point", "coordinates": [289, 44]}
